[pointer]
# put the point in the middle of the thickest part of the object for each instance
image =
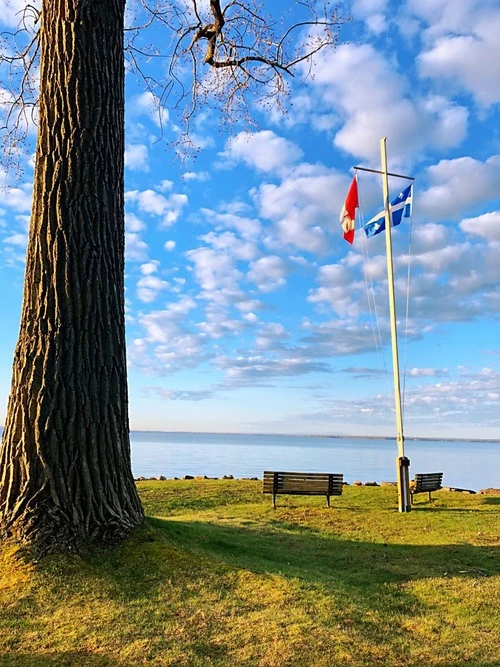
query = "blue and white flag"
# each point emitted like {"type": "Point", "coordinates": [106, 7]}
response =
{"type": "Point", "coordinates": [400, 208]}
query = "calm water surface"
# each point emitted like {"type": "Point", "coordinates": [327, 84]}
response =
{"type": "Point", "coordinates": [471, 465]}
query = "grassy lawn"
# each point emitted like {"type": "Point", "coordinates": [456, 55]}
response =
{"type": "Point", "coordinates": [217, 577]}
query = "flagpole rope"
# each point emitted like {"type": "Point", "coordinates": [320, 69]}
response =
{"type": "Point", "coordinates": [407, 314]}
{"type": "Point", "coordinates": [370, 294]}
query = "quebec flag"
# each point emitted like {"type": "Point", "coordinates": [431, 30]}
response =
{"type": "Point", "coordinates": [400, 208]}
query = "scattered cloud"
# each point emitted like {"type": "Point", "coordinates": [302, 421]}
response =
{"type": "Point", "coordinates": [137, 157]}
{"type": "Point", "coordinates": [486, 226]}
{"type": "Point", "coordinates": [167, 208]}
{"type": "Point", "coordinates": [264, 150]}
{"type": "Point", "coordinates": [383, 103]}
{"type": "Point", "coordinates": [458, 185]}
{"type": "Point", "coordinates": [461, 46]}
{"type": "Point", "coordinates": [147, 105]}
{"type": "Point", "coordinates": [200, 176]}
{"type": "Point", "coordinates": [268, 273]}
{"type": "Point", "coordinates": [303, 207]}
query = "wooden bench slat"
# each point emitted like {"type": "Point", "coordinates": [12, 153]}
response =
{"type": "Point", "coordinates": [302, 483]}
{"type": "Point", "coordinates": [426, 483]}
{"type": "Point", "coordinates": [298, 492]}
{"type": "Point", "coordinates": [271, 473]}
{"type": "Point", "coordinates": [430, 478]}
{"type": "Point", "coordinates": [313, 475]}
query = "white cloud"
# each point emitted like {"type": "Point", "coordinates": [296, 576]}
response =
{"type": "Point", "coordinates": [246, 370]}
{"type": "Point", "coordinates": [165, 185]}
{"type": "Point", "coordinates": [460, 398]}
{"type": "Point", "coordinates": [441, 17]}
{"type": "Point", "coordinates": [137, 157]}
{"type": "Point", "coordinates": [251, 317]}
{"type": "Point", "coordinates": [341, 337]}
{"type": "Point", "coordinates": [150, 285]}
{"type": "Point", "coordinates": [373, 14]}
{"type": "Point", "coordinates": [149, 288]}
{"type": "Point", "coordinates": [462, 45]}
{"type": "Point", "coordinates": [249, 228]}
{"type": "Point", "coordinates": [169, 245]}
{"type": "Point", "coordinates": [303, 206]}
{"type": "Point", "coordinates": [271, 335]}
{"type": "Point", "coordinates": [229, 243]}
{"type": "Point", "coordinates": [200, 176]}
{"type": "Point", "coordinates": [218, 325]}
{"type": "Point", "coordinates": [149, 267]}
{"type": "Point", "coordinates": [147, 104]}
{"type": "Point", "coordinates": [168, 208]}
{"type": "Point", "coordinates": [429, 237]}
{"type": "Point", "coordinates": [457, 185]}
{"type": "Point", "coordinates": [451, 258]}
{"type": "Point", "coordinates": [148, 201]}
{"type": "Point", "coordinates": [13, 12]}
{"type": "Point", "coordinates": [376, 100]}
{"type": "Point", "coordinates": [427, 372]}
{"type": "Point", "coordinates": [162, 326]}
{"type": "Point", "coordinates": [340, 288]}
{"type": "Point", "coordinates": [133, 223]}
{"type": "Point", "coordinates": [263, 150]}
{"type": "Point", "coordinates": [17, 239]}
{"type": "Point", "coordinates": [487, 226]}
{"type": "Point", "coordinates": [19, 199]}
{"type": "Point", "coordinates": [136, 250]}
{"type": "Point", "coordinates": [468, 60]}
{"type": "Point", "coordinates": [268, 273]}
{"type": "Point", "coordinates": [248, 305]}
{"type": "Point", "coordinates": [214, 270]}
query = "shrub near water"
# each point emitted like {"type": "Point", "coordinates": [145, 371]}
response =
{"type": "Point", "coordinates": [217, 577]}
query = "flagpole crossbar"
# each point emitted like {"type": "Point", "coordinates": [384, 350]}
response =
{"type": "Point", "coordinates": [376, 171]}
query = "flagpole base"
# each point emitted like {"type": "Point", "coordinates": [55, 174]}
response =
{"type": "Point", "coordinates": [403, 470]}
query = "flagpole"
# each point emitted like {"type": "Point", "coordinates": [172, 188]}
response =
{"type": "Point", "coordinates": [403, 463]}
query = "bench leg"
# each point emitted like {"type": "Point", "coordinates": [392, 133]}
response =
{"type": "Point", "coordinates": [274, 501]}
{"type": "Point", "coordinates": [411, 498]}
{"type": "Point", "coordinates": [328, 501]}
{"type": "Point", "coordinates": [430, 497]}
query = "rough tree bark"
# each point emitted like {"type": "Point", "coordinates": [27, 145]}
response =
{"type": "Point", "coordinates": [65, 472]}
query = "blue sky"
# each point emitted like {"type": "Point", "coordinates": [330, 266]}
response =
{"type": "Point", "coordinates": [246, 311]}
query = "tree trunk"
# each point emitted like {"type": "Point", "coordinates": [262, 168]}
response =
{"type": "Point", "coordinates": [65, 474]}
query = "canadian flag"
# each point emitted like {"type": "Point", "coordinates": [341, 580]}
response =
{"type": "Point", "coordinates": [348, 213]}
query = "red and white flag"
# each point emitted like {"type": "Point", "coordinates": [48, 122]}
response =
{"type": "Point", "coordinates": [348, 213]}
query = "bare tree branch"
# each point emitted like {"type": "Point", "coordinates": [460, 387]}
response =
{"type": "Point", "coordinates": [232, 55]}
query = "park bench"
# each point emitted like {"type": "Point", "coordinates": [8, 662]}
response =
{"type": "Point", "coordinates": [303, 484]}
{"type": "Point", "coordinates": [425, 482]}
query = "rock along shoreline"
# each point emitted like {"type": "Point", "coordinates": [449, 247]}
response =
{"type": "Point", "coordinates": [161, 478]}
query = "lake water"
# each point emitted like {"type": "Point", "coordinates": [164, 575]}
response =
{"type": "Point", "coordinates": [470, 465]}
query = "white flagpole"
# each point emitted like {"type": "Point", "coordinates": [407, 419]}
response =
{"type": "Point", "coordinates": [403, 463]}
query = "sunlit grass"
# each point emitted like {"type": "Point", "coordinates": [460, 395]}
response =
{"type": "Point", "coordinates": [217, 577]}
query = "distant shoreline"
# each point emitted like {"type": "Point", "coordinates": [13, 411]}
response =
{"type": "Point", "coordinates": [323, 435]}
{"type": "Point", "coordinates": [316, 435]}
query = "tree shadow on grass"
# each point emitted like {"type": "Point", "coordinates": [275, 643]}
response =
{"type": "Point", "coordinates": [463, 510]}
{"type": "Point", "coordinates": [320, 558]}
{"type": "Point", "coordinates": [364, 583]}
{"type": "Point", "coordinates": [174, 567]}
{"type": "Point", "coordinates": [492, 501]}
{"type": "Point", "coordinates": [373, 574]}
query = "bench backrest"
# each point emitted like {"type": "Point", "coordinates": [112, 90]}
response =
{"type": "Point", "coordinates": [428, 481]}
{"type": "Point", "coordinates": [303, 483]}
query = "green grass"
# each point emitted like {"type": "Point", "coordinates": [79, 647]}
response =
{"type": "Point", "coordinates": [217, 577]}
